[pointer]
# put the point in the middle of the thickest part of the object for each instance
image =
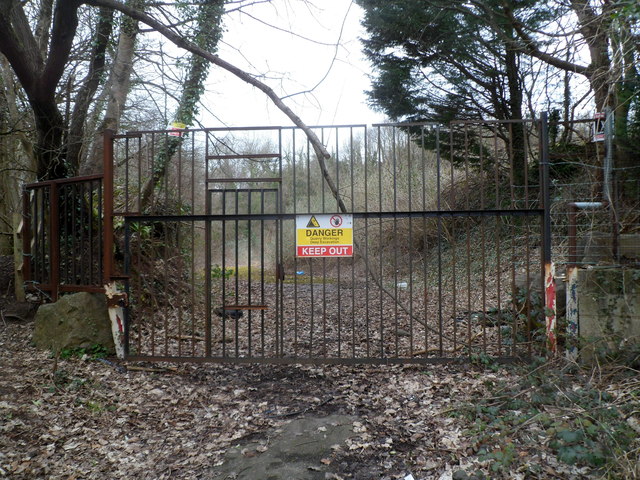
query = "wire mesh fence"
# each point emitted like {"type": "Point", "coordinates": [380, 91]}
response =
{"type": "Point", "coordinates": [595, 203]}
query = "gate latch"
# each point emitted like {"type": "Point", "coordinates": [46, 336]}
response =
{"type": "Point", "coordinates": [280, 272]}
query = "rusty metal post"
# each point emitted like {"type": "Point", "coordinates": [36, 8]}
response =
{"type": "Point", "coordinates": [54, 241]}
{"type": "Point", "coordinates": [116, 302]}
{"type": "Point", "coordinates": [107, 221]}
{"type": "Point", "coordinates": [26, 238]}
{"type": "Point", "coordinates": [550, 307]}
{"type": "Point", "coordinates": [573, 320]}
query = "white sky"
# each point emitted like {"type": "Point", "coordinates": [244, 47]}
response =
{"type": "Point", "coordinates": [292, 64]}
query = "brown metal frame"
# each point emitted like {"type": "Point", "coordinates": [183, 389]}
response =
{"type": "Point", "coordinates": [42, 226]}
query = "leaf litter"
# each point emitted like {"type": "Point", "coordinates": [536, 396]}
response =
{"type": "Point", "coordinates": [91, 420]}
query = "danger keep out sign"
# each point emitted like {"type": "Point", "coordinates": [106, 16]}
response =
{"type": "Point", "coordinates": [324, 235]}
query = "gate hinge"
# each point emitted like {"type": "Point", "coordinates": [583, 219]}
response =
{"type": "Point", "coordinates": [280, 272]}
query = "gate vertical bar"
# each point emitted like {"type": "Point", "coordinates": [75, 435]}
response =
{"type": "Point", "coordinates": [54, 241]}
{"type": "Point", "coordinates": [380, 265]}
{"type": "Point", "coordinates": [27, 218]}
{"type": "Point", "coordinates": [527, 253]}
{"type": "Point", "coordinates": [279, 315]}
{"type": "Point", "coordinates": [294, 201]}
{"type": "Point", "coordinates": [262, 289]}
{"type": "Point", "coordinates": [249, 259]}
{"type": "Point", "coordinates": [337, 155]}
{"type": "Point", "coordinates": [223, 280]}
{"type": "Point", "coordinates": [452, 233]}
{"type": "Point", "coordinates": [207, 255]}
{"type": "Point", "coordinates": [127, 271]}
{"type": "Point", "coordinates": [366, 241]}
{"type": "Point", "coordinates": [439, 227]}
{"type": "Point", "coordinates": [498, 231]}
{"type": "Point", "coordinates": [424, 236]}
{"type": "Point", "coordinates": [324, 270]}
{"type": "Point", "coordinates": [236, 200]}
{"type": "Point", "coordinates": [410, 208]}
{"type": "Point", "coordinates": [353, 283]}
{"type": "Point", "coordinates": [468, 244]}
{"type": "Point", "coordinates": [107, 209]}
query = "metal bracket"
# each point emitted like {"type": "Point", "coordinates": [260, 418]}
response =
{"type": "Point", "coordinates": [118, 300]}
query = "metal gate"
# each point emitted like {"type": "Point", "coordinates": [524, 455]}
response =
{"type": "Point", "coordinates": [449, 235]}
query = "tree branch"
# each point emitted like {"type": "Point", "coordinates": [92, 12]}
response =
{"type": "Point", "coordinates": [65, 23]}
{"type": "Point", "coordinates": [530, 47]}
{"type": "Point", "coordinates": [321, 152]}
{"type": "Point", "coordinates": [18, 45]}
{"type": "Point", "coordinates": [526, 44]}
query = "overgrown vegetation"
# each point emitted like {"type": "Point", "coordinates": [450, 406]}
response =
{"type": "Point", "coordinates": [93, 352]}
{"type": "Point", "coordinates": [586, 421]}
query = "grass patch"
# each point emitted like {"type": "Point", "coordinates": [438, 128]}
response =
{"type": "Point", "coordinates": [93, 352]}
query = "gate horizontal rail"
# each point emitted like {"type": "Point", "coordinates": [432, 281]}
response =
{"type": "Point", "coordinates": [292, 216]}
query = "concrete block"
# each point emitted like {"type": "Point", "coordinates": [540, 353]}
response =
{"type": "Point", "coordinates": [609, 310]}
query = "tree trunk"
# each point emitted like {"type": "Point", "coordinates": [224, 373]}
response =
{"type": "Point", "coordinates": [627, 87]}
{"type": "Point", "coordinates": [50, 130]}
{"type": "Point", "coordinates": [75, 134]}
{"type": "Point", "coordinates": [595, 29]}
{"type": "Point", "coordinates": [518, 156]}
{"type": "Point", "coordinates": [39, 76]}
{"type": "Point", "coordinates": [117, 89]}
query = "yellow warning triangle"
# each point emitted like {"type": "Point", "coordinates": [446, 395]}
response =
{"type": "Point", "coordinates": [313, 222]}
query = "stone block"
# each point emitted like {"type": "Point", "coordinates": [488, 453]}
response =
{"type": "Point", "coordinates": [77, 320]}
{"type": "Point", "coordinates": [629, 246]}
{"type": "Point", "coordinates": [597, 248]}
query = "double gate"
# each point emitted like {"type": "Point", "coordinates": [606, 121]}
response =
{"type": "Point", "coordinates": [450, 236]}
